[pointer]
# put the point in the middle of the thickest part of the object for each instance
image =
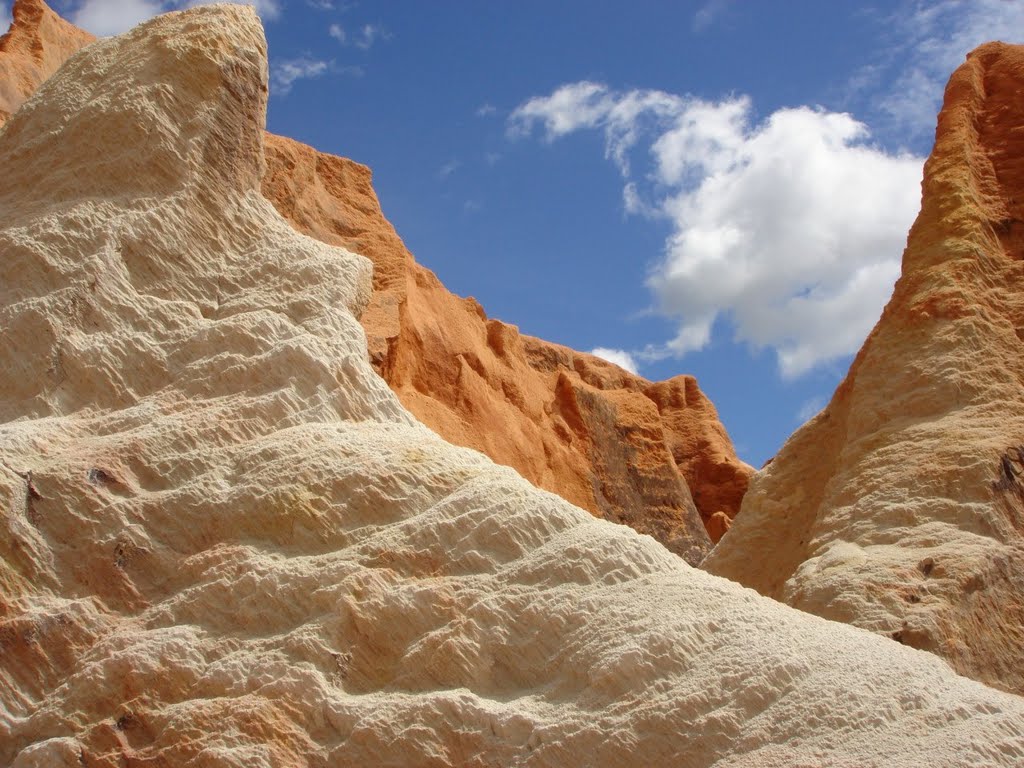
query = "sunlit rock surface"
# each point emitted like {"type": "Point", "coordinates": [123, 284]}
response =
{"type": "Point", "coordinates": [37, 43]}
{"type": "Point", "coordinates": [225, 543]}
{"type": "Point", "coordinates": [651, 455]}
{"type": "Point", "coordinates": [900, 507]}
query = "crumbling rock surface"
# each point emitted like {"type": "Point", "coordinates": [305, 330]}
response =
{"type": "Point", "coordinates": [653, 456]}
{"type": "Point", "coordinates": [38, 42]}
{"type": "Point", "coordinates": [225, 542]}
{"type": "Point", "coordinates": [900, 507]}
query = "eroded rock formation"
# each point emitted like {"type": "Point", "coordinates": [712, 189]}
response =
{"type": "Point", "coordinates": [652, 455]}
{"type": "Point", "coordinates": [225, 542]}
{"type": "Point", "coordinates": [899, 507]}
{"type": "Point", "coordinates": [38, 42]}
{"type": "Point", "coordinates": [626, 449]}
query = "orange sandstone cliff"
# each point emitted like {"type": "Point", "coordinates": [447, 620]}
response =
{"type": "Point", "coordinates": [900, 507]}
{"type": "Point", "coordinates": [38, 42]}
{"type": "Point", "coordinates": [651, 455]}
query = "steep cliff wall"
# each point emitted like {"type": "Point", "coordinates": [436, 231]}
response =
{"type": "Point", "coordinates": [653, 456]}
{"type": "Point", "coordinates": [899, 508]}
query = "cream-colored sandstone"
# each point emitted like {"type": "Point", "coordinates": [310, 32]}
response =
{"type": "Point", "coordinates": [225, 542]}
{"type": "Point", "coordinates": [900, 507]}
{"type": "Point", "coordinates": [651, 455]}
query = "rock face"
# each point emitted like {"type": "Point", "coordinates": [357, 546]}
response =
{"type": "Point", "coordinates": [38, 42]}
{"type": "Point", "coordinates": [653, 456]}
{"type": "Point", "coordinates": [226, 543]}
{"type": "Point", "coordinates": [899, 507]}
{"type": "Point", "coordinates": [626, 449]}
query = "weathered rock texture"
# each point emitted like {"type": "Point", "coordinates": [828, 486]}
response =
{"type": "Point", "coordinates": [653, 456]}
{"type": "Point", "coordinates": [38, 42]}
{"type": "Point", "coordinates": [625, 448]}
{"type": "Point", "coordinates": [899, 507]}
{"type": "Point", "coordinates": [226, 543]}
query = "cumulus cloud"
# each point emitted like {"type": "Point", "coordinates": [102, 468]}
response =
{"type": "Point", "coordinates": [620, 357]}
{"type": "Point", "coordinates": [112, 17]}
{"type": "Point", "coordinates": [284, 74]}
{"type": "Point", "coordinates": [788, 230]}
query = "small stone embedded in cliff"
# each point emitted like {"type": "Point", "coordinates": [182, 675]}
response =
{"type": "Point", "coordinates": [226, 543]}
{"type": "Point", "coordinates": [899, 507]}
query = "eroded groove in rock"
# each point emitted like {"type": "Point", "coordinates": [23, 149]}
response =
{"type": "Point", "coordinates": [897, 509]}
{"type": "Point", "coordinates": [226, 543]}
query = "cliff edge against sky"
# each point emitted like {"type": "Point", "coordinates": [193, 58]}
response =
{"type": "Point", "coordinates": [900, 507]}
{"type": "Point", "coordinates": [651, 455]}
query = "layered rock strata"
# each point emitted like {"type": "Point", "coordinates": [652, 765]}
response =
{"type": "Point", "coordinates": [900, 507]}
{"type": "Point", "coordinates": [225, 542]}
{"type": "Point", "coordinates": [651, 455]}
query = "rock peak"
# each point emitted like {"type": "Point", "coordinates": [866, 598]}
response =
{"type": "Point", "coordinates": [222, 148]}
{"type": "Point", "coordinates": [38, 42]}
{"type": "Point", "coordinates": [899, 508]}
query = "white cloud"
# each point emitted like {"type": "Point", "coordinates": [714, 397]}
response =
{"type": "Point", "coordinates": [5, 18]}
{"type": "Point", "coordinates": [362, 38]}
{"type": "Point", "coordinates": [283, 74]}
{"type": "Point", "coordinates": [708, 13]}
{"type": "Point", "coordinates": [486, 110]}
{"type": "Point", "coordinates": [620, 357]}
{"type": "Point", "coordinates": [622, 116]}
{"type": "Point", "coordinates": [448, 169]}
{"type": "Point", "coordinates": [368, 35]}
{"type": "Point", "coordinates": [112, 17]}
{"type": "Point", "coordinates": [929, 40]}
{"type": "Point", "coordinates": [789, 230]}
{"type": "Point", "coordinates": [810, 408]}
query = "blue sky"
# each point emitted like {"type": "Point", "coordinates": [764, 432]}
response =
{"type": "Point", "coordinates": [716, 188]}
